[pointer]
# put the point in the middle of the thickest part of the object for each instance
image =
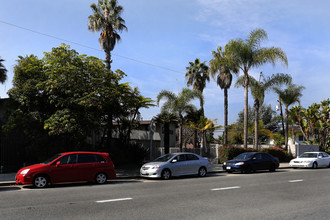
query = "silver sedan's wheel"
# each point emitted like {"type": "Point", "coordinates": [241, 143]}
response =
{"type": "Point", "coordinates": [314, 166]}
{"type": "Point", "coordinates": [40, 182]}
{"type": "Point", "coordinates": [202, 172]}
{"type": "Point", "coordinates": [166, 174]}
{"type": "Point", "coordinates": [101, 178]}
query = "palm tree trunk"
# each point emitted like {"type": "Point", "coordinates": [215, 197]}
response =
{"type": "Point", "coordinates": [225, 131]}
{"type": "Point", "coordinates": [256, 124]}
{"type": "Point", "coordinates": [181, 133]}
{"type": "Point", "coordinates": [108, 59]}
{"type": "Point", "coordinates": [246, 114]}
{"type": "Point", "coordinates": [167, 137]}
{"type": "Point", "coordinates": [286, 127]}
{"type": "Point", "coordinates": [283, 131]}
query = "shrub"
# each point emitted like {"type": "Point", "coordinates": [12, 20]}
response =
{"type": "Point", "coordinates": [230, 152]}
{"type": "Point", "coordinates": [281, 154]}
{"type": "Point", "coordinates": [279, 140]}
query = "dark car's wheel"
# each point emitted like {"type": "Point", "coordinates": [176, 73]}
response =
{"type": "Point", "coordinates": [272, 168]}
{"type": "Point", "coordinates": [40, 181]}
{"type": "Point", "coordinates": [166, 174]}
{"type": "Point", "coordinates": [314, 166]}
{"type": "Point", "coordinates": [101, 178]}
{"type": "Point", "coordinates": [329, 165]}
{"type": "Point", "coordinates": [202, 172]}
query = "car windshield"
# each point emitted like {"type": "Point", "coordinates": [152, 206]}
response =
{"type": "Point", "coordinates": [51, 159]}
{"type": "Point", "coordinates": [164, 158]}
{"type": "Point", "coordinates": [244, 156]}
{"type": "Point", "coordinates": [308, 155]}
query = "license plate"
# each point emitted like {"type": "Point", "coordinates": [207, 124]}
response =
{"type": "Point", "coordinates": [228, 168]}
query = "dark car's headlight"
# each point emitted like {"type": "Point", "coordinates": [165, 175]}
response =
{"type": "Point", "coordinates": [239, 163]}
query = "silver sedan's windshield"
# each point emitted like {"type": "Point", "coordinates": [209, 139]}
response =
{"type": "Point", "coordinates": [164, 158]}
{"type": "Point", "coordinates": [308, 155]}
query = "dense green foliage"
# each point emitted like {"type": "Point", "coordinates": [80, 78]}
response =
{"type": "Point", "coordinates": [67, 97]}
{"type": "Point", "coordinates": [230, 152]}
{"type": "Point", "coordinates": [313, 122]}
{"type": "Point", "coordinates": [278, 152]}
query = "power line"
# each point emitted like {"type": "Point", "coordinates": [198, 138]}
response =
{"type": "Point", "coordinates": [92, 48]}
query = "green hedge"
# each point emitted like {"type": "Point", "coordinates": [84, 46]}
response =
{"type": "Point", "coordinates": [230, 152]}
{"type": "Point", "coordinates": [281, 154]}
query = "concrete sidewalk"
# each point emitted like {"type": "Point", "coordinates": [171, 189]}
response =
{"type": "Point", "coordinates": [7, 179]}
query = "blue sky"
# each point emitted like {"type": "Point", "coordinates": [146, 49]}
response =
{"type": "Point", "coordinates": [169, 34]}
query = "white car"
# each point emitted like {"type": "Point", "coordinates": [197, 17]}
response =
{"type": "Point", "coordinates": [311, 159]}
{"type": "Point", "coordinates": [176, 164]}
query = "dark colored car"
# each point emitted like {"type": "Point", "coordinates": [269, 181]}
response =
{"type": "Point", "coordinates": [69, 167]}
{"type": "Point", "coordinates": [251, 161]}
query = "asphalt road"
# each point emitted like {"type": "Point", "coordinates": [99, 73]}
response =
{"type": "Point", "coordinates": [285, 194]}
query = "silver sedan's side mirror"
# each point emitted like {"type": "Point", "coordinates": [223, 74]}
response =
{"type": "Point", "coordinates": [174, 161]}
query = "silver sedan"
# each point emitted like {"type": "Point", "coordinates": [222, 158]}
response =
{"type": "Point", "coordinates": [176, 164]}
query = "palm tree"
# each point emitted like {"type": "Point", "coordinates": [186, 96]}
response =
{"type": "Point", "coordinates": [3, 72]}
{"type": "Point", "coordinates": [258, 90]}
{"type": "Point", "coordinates": [289, 96]}
{"type": "Point", "coordinates": [107, 18]}
{"type": "Point", "coordinates": [248, 54]}
{"type": "Point", "coordinates": [166, 119]}
{"type": "Point", "coordinates": [221, 64]}
{"type": "Point", "coordinates": [179, 104]}
{"type": "Point", "coordinates": [197, 74]}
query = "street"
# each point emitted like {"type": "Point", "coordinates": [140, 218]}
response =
{"type": "Point", "coordinates": [284, 194]}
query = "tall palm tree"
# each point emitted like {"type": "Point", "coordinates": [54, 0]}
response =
{"type": "Point", "coordinates": [222, 66]}
{"type": "Point", "coordinates": [258, 90]}
{"type": "Point", "coordinates": [179, 104]}
{"type": "Point", "coordinates": [197, 75]}
{"type": "Point", "coordinates": [289, 96]}
{"type": "Point", "coordinates": [107, 18]}
{"type": "Point", "coordinates": [248, 54]}
{"type": "Point", "coordinates": [3, 72]}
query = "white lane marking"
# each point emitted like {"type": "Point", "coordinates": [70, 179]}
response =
{"type": "Point", "coordinates": [295, 181]}
{"type": "Point", "coordinates": [226, 188]}
{"type": "Point", "coordinates": [113, 200]}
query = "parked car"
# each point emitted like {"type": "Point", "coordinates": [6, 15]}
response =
{"type": "Point", "coordinates": [176, 164]}
{"type": "Point", "coordinates": [68, 167]}
{"type": "Point", "coordinates": [311, 160]}
{"type": "Point", "coordinates": [251, 161]}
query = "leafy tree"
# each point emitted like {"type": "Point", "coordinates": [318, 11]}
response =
{"type": "Point", "coordinates": [266, 114]}
{"type": "Point", "coordinates": [258, 90]}
{"type": "Point", "coordinates": [70, 95]}
{"type": "Point", "coordinates": [107, 18]}
{"type": "Point", "coordinates": [313, 122]}
{"type": "Point", "coordinates": [289, 96]}
{"type": "Point", "coordinates": [222, 66]}
{"type": "Point", "coordinates": [248, 54]}
{"type": "Point", "coordinates": [3, 72]}
{"type": "Point", "coordinates": [179, 105]}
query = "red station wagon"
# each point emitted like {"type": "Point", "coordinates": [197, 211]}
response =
{"type": "Point", "coordinates": [69, 167]}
